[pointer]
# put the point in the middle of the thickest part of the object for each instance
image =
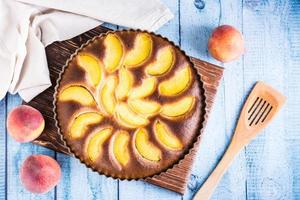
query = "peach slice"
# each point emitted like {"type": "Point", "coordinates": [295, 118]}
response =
{"type": "Point", "coordinates": [92, 66]}
{"type": "Point", "coordinates": [121, 147]}
{"type": "Point", "coordinates": [125, 83]}
{"type": "Point", "coordinates": [164, 61]}
{"type": "Point", "coordinates": [145, 148]}
{"type": "Point", "coordinates": [147, 88]}
{"type": "Point", "coordinates": [128, 118]}
{"type": "Point", "coordinates": [78, 94]}
{"type": "Point", "coordinates": [179, 108]}
{"type": "Point", "coordinates": [166, 137]}
{"type": "Point", "coordinates": [107, 95]}
{"type": "Point", "coordinates": [176, 84]}
{"type": "Point", "coordinates": [81, 123]}
{"type": "Point", "coordinates": [113, 53]}
{"type": "Point", "coordinates": [144, 107]}
{"type": "Point", "coordinates": [94, 147]}
{"type": "Point", "coordinates": [141, 51]}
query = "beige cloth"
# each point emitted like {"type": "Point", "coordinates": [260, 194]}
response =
{"type": "Point", "coordinates": [27, 26]}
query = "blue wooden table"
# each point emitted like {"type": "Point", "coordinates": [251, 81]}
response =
{"type": "Point", "coordinates": [268, 168]}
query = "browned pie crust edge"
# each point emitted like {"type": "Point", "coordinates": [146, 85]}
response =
{"type": "Point", "coordinates": [201, 103]}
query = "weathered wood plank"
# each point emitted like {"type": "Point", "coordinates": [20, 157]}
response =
{"type": "Point", "coordinates": [233, 184]}
{"type": "Point", "coordinates": [3, 148]}
{"type": "Point", "coordinates": [292, 90]}
{"type": "Point", "coordinates": [16, 154]}
{"type": "Point", "coordinates": [272, 30]}
{"type": "Point", "coordinates": [138, 189]}
{"type": "Point", "coordinates": [57, 53]}
{"type": "Point", "coordinates": [79, 182]}
{"type": "Point", "coordinates": [196, 26]}
{"type": "Point", "coordinates": [269, 175]}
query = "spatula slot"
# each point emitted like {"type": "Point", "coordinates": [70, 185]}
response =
{"type": "Point", "coordinates": [256, 106]}
{"type": "Point", "coordinates": [266, 107]}
{"type": "Point", "coordinates": [257, 113]}
{"type": "Point", "coordinates": [267, 114]}
{"type": "Point", "coordinates": [253, 104]}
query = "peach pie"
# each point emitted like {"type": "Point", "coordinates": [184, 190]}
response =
{"type": "Point", "coordinates": [129, 104]}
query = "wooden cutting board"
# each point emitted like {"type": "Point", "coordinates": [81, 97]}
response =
{"type": "Point", "coordinates": [175, 179]}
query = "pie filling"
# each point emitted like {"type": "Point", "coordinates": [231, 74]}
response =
{"type": "Point", "coordinates": [128, 104]}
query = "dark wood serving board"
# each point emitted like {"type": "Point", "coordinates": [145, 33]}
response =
{"type": "Point", "coordinates": [175, 179]}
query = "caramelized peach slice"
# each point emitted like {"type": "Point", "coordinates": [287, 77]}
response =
{"type": "Point", "coordinates": [144, 107]}
{"type": "Point", "coordinates": [166, 137]}
{"type": "Point", "coordinates": [128, 118]}
{"type": "Point", "coordinates": [113, 53]}
{"type": "Point", "coordinates": [145, 148]}
{"type": "Point", "coordinates": [78, 94]}
{"type": "Point", "coordinates": [176, 84]}
{"type": "Point", "coordinates": [107, 95]}
{"type": "Point", "coordinates": [147, 88]}
{"type": "Point", "coordinates": [164, 61]}
{"type": "Point", "coordinates": [92, 67]}
{"type": "Point", "coordinates": [81, 123]}
{"type": "Point", "coordinates": [121, 147]}
{"type": "Point", "coordinates": [125, 83]}
{"type": "Point", "coordinates": [94, 147]}
{"type": "Point", "coordinates": [141, 51]}
{"type": "Point", "coordinates": [179, 108]}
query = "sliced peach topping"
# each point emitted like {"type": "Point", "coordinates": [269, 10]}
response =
{"type": "Point", "coordinates": [113, 53]}
{"type": "Point", "coordinates": [144, 107]}
{"type": "Point", "coordinates": [92, 66]}
{"type": "Point", "coordinates": [177, 84]}
{"type": "Point", "coordinates": [127, 118]}
{"type": "Point", "coordinates": [178, 109]}
{"type": "Point", "coordinates": [141, 51]}
{"type": "Point", "coordinates": [121, 147]}
{"type": "Point", "coordinates": [81, 123]}
{"type": "Point", "coordinates": [78, 94]}
{"type": "Point", "coordinates": [163, 62]}
{"type": "Point", "coordinates": [146, 148]}
{"type": "Point", "coordinates": [166, 137]}
{"type": "Point", "coordinates": [94, 146]}
{"type": "Point", "coordinates": [107, 95]}
{"type": "Point", "coordinates": [125, 83]}
{"type": "Point", "coordinates": [147, 88]}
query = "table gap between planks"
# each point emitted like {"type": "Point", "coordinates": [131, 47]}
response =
{"type": "Point", "coordinates": [271, 30]}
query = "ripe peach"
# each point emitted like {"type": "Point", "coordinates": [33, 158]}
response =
{"type": "Point", "coordinates": [40, 173]}
{"type": "Point", "coordinates": [25, 123]}
{"type": "Point", "coordinates": [226, 43]}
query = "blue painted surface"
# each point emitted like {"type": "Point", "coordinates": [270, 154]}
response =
{"type": "Point", "coordinates": [268, 168]}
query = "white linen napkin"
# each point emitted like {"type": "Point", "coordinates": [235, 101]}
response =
{"type": "Point", "coordinates": [28, 26]}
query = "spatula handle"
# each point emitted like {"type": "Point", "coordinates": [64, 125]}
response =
{"type": "Point", "coordinates": [211, 183]}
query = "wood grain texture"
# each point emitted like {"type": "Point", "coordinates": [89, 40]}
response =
{"type": "Point", "coordinates": [267, 158]}
{"type": "Point", "coordinates": [3, 149]}
{"type": "Point", "coordinates": [16, 154]}
{"type": "Point", "coordinates": [291, 88]}
{"type": "Point", "coordinates": [230, 97]}
{"type": "Point", "coordinates": [196, 27]}
{"type": "Point", "coordinates": [174, 179]}
{"type": "Point", "coordinates": [92, 186]}
{"type": "Point", "coordinates": [128, 190]}
{"type": "Point", "coordinates": [269, 168]}
{"type": "Point", "coordinates": [270, 103]}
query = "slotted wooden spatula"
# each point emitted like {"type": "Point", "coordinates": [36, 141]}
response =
{"type": "Point", "coordinates": [261, 106]}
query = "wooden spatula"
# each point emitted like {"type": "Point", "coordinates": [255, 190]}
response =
{"type": "Point", "coordinates": [262, 105]}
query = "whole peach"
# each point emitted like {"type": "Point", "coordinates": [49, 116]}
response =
{"type": "Point", "coordinates": [25, 123]}
{"type": "Point", "coordinates": [226, 43]}
{"type": "Point", "coordinates": [40, 173]}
